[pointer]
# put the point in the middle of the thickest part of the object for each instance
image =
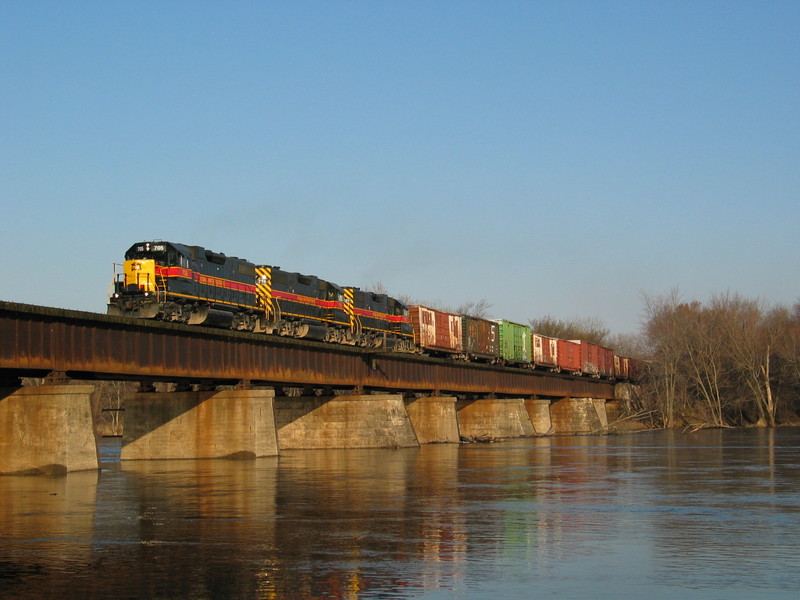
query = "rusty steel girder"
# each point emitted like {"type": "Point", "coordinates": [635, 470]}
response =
{"type": "Point", "coordinates": [36, 340]}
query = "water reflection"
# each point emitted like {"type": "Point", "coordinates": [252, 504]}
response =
{"type": "Point", "coordinates": [52, 514]}
{"type": "Point", "coordinates": [708, 515]}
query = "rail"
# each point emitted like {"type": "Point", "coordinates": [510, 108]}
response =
{"type": "Point", "coordinates": [37, 340]}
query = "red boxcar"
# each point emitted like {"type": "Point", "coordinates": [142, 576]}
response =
{"type": "Point", "coordinates": [480, 338]}
{"type": "Point", "coordinates": [607, 370]}
{"type": "Point", "coordinates": [435, 330]}
{"type": "Point", "coordinates": [596, 360]}
{"type": "Point", "coordinates": [569, 356]}
{"type": "Point", "coordinates": [545, 350]}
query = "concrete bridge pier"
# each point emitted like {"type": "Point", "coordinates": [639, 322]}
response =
{"type": "Point", "coordinates": [579, 416]}
{"type": "Point", "coordinates": [346, 421]}
{"type": "Point", "coordinates": [539, 413]}
{"type": "Point", "coordinates": [47, 429]}
{"type": "Point", "coordinates": [434, 418]}
{"type": "Point", "coordinates": [236, 423]}
{"type": "Point", "coordinates": [494, 418]}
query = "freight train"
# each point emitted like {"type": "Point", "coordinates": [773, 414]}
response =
{"type": "Point", "coordinates": [190, 284]}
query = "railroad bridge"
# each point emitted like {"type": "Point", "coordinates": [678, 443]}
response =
{"type": "Point", "coordinates": [240, 394]}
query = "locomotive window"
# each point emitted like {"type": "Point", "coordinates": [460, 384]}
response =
{"type": "Point", "coordinates": [172, 257]}
{"type": "Point", "coordinates": [248, 270]}
{"type": "Point", "coordinates": [305, 280]}
{"type": "Point", "coordinates": [280, 278]}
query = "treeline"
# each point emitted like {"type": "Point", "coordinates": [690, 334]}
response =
{"type": "Point", "coordinates": [729, 361]}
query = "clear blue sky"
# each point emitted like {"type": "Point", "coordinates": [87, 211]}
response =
{"type": "Point", "coordinates": [551, 157]}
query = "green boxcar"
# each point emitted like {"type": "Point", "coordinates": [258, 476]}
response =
{"type": "Point", "coordinates": [515, 342]}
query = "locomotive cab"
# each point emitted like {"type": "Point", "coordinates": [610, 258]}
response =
{"type": "Point", "coordinates": [139, 286]}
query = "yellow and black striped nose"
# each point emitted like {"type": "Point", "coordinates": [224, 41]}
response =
{"type": "Point", "coordinates": [350, 309]}
{"type": "Point", "coordinates": [264, 287]}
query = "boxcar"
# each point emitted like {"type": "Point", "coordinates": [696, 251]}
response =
{"type": "Point", "coordinates": [621, 367]}
{"type": "Point", "coordinates": [607, 364]}
{"type": "Point", "coordinates": [515, 342]}
{"type": "Point", "coordinates": [626, 368]}
{"type": "Point", "coordinates": [481, 340]}
{"type": "Point", "coordinates": [596, 360]}
{"type": "Point", "coordinates": [544, 351]}
{"type": "Point", "coordinates": [590, 358]}
{"type": "Point", "coordinates": [569, 356]}
{"type": "Point", "coordinates": [435, 330]}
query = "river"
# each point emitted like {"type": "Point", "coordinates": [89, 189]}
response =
{"type": "Point", "coordinates": [709, 515]}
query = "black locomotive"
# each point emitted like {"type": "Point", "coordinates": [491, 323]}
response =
{"type": "Point", "coordinates": [189, 284]}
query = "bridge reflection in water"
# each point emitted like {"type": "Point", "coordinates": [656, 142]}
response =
{"type": "Point", "coordinates": [606, 517]}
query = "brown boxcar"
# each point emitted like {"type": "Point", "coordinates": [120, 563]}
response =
{"type": "Point", "coordinates": [569, 356]}
{"type": "Point", "coordinates": [436, 330]}
{"type": "Point", "coordinates": [480, 338]}
{"type": "Point", "coordinates": [621, 367]}
{"type": "Point", "coordinates": [627, 369]}
{"type": "Point", "coordinates": [545, 350]}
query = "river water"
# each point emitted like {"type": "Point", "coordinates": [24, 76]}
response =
{"type": "Point", "coordinates": [708, 515]}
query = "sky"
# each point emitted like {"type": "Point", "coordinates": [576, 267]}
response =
{"type": "Point", "coordinates": [557, 158]}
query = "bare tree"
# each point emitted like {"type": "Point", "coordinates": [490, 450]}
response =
{"type": "Point", "coordinates": [376, 287]}
{"type": "Point", "coordinates": [661, 336]}
{"type": "Point", "coordinates": [628, 344]}
{"type": "Point", "coordinates": [722, 362]}
{"type": "Point", "coordinates": [748, 339]}
{"type": "Point", "coordinates": [479, 309]}
{"type": "Point", "coordinates": [787, 346]}
{"type": "Point", "coordinates": [107, 404]}
{"type": "Point", "coordinates": [703, 357]}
